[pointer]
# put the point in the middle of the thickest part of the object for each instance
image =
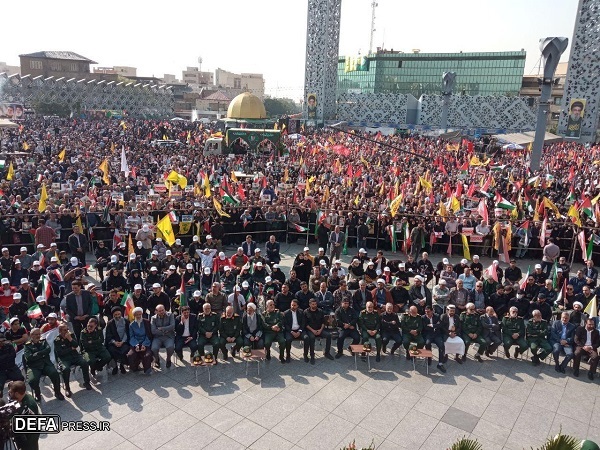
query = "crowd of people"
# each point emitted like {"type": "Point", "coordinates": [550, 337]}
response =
{"type": "Point", "coordinates": [66, 199]}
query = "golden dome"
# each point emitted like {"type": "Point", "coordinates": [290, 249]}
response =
{"type": "Point", "coordinates": [246, 106]}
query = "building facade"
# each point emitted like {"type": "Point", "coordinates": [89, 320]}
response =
{"type": "Point", "coordinates": [485, 73]}
{"type": "Point", "coordinates": [55, 64]}
{"type": "Point", "coordinates": [8, 69]}
{"type": "Point", "coordinates": [194, 76]}
{"type": "Point", "coordinates": [246, 82]}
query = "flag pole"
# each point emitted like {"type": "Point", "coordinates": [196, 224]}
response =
{"type": "Point", "coordinates": [573, 250]}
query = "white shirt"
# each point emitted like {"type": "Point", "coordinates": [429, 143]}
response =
{"type": "Point", "coordinates": [186, 328]}
{"type": "Point", "coordinates": [450, 321]}
{"type": "Point", "coordinates": [589, 338]}
{"type": "Point", "coordinates": [295, 325]}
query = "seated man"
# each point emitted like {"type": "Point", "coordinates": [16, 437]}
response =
{"type": "Point", "coordinates": [369, 322]}
{"type": "Point", "coordinates": [315, 328]}
{"type": "Point", "coordinates": [38, 363]}
{"type": "Point", "coordinates": [491, 330]}
{"type": "Point", "coordinates": [537, 332]}
{"type": "Point", "coordinates": [252, 327]}
{"type": "Point", "coordinates": [273, 329]}
{"type": "Point", "coordinates": [140, 341]}
{"type": "Point", "coordinates": [16, 334]}
{"type": "Point", "coordinates": [78, 306]}
{"type": "Point", "coordinates": [451, 328]}
{"type": "Point", "coordinates": [513, 332]}
{"type": "Point", "coordinates": [116, 339]}
{"type": "Point", "coordinates": [587, 341]}
{"type": "Point", "coordinates": [347, 319]}
{"type": "Point", "coordinates": [9, 371]}
{"type": "Point", "coordinates": [433, 335]}
{"type": "Point", "coordinates": [66, 354]}
{"type": "Point", "coordinates": [92, 346]}
{"type": "Point", "coordinates": [562, 334]}
{"type": "Point", "coordinates": [208, 330]}
{"type": "Point", "coordinates": [294, 324]}
{"type": "Point", "coordinates": [412, 328]}
{"type": "Point", "coordinates": [472, 331]}
{"type": "Point", "coordinates": [230, 332]}
{"type": "Point", "coordinates": [186, 332]}
{"type": "Point", "coordinates": [162, 326]}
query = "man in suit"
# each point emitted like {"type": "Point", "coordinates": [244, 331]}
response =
{"type": "Point", "coordinates": [116, 339]}
{"type": "Point", "coordinates": [587, 341]}
{"type": "Point", "coordinates": [336, 241]}
{"type": "Point", "coordinates": [432, 335]}
{"type": "Point", "coordinates": [451, 329]}
{"type": "Point", "coordinates": [562, 333]}
{"type": "Point", "coordinates": [77, 244]}
{"type": "Point", "coordinates": [249, 246]}
{"type": "Point", "coordinates": [294, 324]}
{"type": "Point", "coordinates": [361, 296]}
{"type": "Point", "coordinates": [78, 306]}
{"type": "Point", "coordinates": [591, 274]}
{"type": "Point", "coordinates": [491, 330]}
{"type": "Point", "coordinates": [186, 332]}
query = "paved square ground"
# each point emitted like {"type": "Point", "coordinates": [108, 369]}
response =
{"type": "Point", "coordinates": [505, 404]}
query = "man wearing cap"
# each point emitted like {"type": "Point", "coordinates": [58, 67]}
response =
{"type": "Point", "coordinates": [78, 244]}
{"type": "Point", "coordinates": [216, 299]}
{"type": "Point", "coordinates": [92, 346]}
{"type": "Point", "coordinates": [230, 332]}
{"type": "Point", "coordinates": [9, 371]}
{"type": "Point", "coordinates": [259, 275]}
{"type": "Point", "coordinates": [472, 331]}
{"type": "Point", "coordinates": [208, 330]}
{"type": "Point", "coordinates": [542, 306]}
{"type": "Point", "coordinates": [273, 330]}
{"type": "Point", "coordinates": [513, 333]}
{"type": "Point", "coordinates": [162, 326]}
{"type": "Point", "coordinates": [145, 236]}
{"type": "Point", "coordinates": [537, 332]}
{"type": "Point", "coordinates": [78, 306]}
{"type": "Point", "coordinates": [51, 318]}
{"type": "Point", "coordinates": [369, 322]}
{"type": "Point", "coordinates": [252, 327]}
{"type": "Point", "coordinates": [272, 249]}
{"type": "Point", "coordinates": [37, 360]}
{"type": "Point", "coordinates": [158, 297]}
{"type": "Point", "coordinates": [19, 308]}
{"type": "Point", "coordinates": [140, 341]}
{"type": "Point", "coordinates": [258, 258]}
{"type": "Point", "coordinates": [117, 339]}
{"type": "Point", "coordinates": [315, 328]}
{"type": "Point", "coordinates": [26, 260]}
{"type": "Point", "coordinates": [321, 256]}
{"type": "Point", "coordinates": [65, 351]}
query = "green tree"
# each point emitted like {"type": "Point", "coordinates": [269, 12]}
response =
{"type": "Point", "coordinates": [280, 106]}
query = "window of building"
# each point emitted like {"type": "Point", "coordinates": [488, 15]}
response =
{"type": "Point", "coordinates": [237, 83]}
{"type": "Point", "coordinates": [35, 65]}
{"type": "Point", "coordinates": [73, 67]}
{"type": "Point", "coordinates": [558, 100]}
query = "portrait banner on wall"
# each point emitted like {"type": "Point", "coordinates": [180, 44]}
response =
{"type": "Point", "coordinates": [311, 107]}
{"type": "Point", "coordinates": [576, 113]}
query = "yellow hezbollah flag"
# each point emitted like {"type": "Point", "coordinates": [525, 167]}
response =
{"type": "Point", "coordinates": [104, 168]}
{"type": "Point", "coordinates": [184, 227]}
{"type": "Point", "coordinates": [62, 154]}
{"type": "Point", "coordinates": [395, 205]}
{"type": "Point", "coordinates": [206, 183]}
{"type": "Point", "coordinates": [219, 208]}
{"type": "Point", "coordinates": [130, 247]}
{"type": "Point", "coordinates": [425, 184]}
{"type": "Point", "coordinates": [286, 175]}
{"type": "Point", "coordinates": [234, 178]}
{"type": "Point", "coordinates": [11, 172]}
{"type": "Point", "coordinates": [42, 205]}
{"type": "Point", "coordinates": [166, 229]}
{"type": "Point", "coordinates": [549, 204]}
{"type": "Point", "coordinates": [466, 251]}
{"type": "Point", "coordinates": [574, 214]}
{"type": "Point", "coordinates": [357, 200]}
{"type": "Point", "coordinates": [455, 205]}
{"type": "Point", "coordinates": [25, 146]}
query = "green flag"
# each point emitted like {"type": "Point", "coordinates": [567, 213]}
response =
{"type": "Point", "coordinates": [345, 250]}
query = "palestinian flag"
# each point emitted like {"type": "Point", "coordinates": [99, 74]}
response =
{"type": "Point", "coordinates": [34, 312]}
{"type": "Point", "coordinates": [502, 203]}
{"type": "Point", "coordinates": [182, 296]}
{"type": "Point", "coordinates": [562, 293]}
{"type": "Point", "coordinates": [571, 197]}
{"type": "Point", "coordinates": [297, 227]}
{"type": "Point", "coordinates": [128, 305]}
{"type": "Point", "coordinates": [227, 197]}
{"type": "Point", "coordinates": [586, 208]}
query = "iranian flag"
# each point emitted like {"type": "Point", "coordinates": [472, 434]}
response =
{"type": "Point", "coordinates": [127, 303]}
{"type": "Point", "coordinates": [502, 203]}
{"type": "Point", "coordinates": [543, 231]}
{"type": "Point", "coordinates": [227, 197]}
{"type": "Point", "coordinates": [46, 287]}
{"type": "Point", "coordinates": [297, 227]}
{"type": "Point", "coordinates": [562, 293]}
{"type": "Point", "coordinates": [117, 239]}
{"type": "Point", "coordinates": [523, 282]}
{"type": "Point", "coordinates": [320, 219]}
{"type": "Point", "coordinates": [182, 296]}
{"type": "Point", "coordinates": [407, 242]}
{"type": "Point", "coordinates": [34, 312]}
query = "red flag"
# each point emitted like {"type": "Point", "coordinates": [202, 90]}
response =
{"type": "Point", "coordinates": [349, 171]}
{"type": "Point", "coordinates": [358, 173]}
{"type": "Point", "coordinates": [207, 226]}
{"type": "Point", "coordinates": [442, 169]}
{"type": "Point", "coordinates": [459, 189]}
{"type": "Point", "coordinates": [447, 189]}
{"type": "Point", "coordinates": [264, 182]}
{"type": "Point", "coordinates": [470, 147]}
{"type": "Point", "coordinates": [482, 210]}
{"type": "Point", "coordinates": [241, 193]}
{"type": "Point", "coordinates": [465, 167]}
{"type": "Point", "coordinates": [471, 190]}
{"type": "Point", "coordinates": [571, 174]}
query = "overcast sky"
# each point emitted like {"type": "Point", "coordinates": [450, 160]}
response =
{"type": "Point", "coordinates": [269, 36]}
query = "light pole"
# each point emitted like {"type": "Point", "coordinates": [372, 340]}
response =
{"type": "Point", "coordinates": [552, 48]}
{"type": "Point", "coordinates": [448, 82]}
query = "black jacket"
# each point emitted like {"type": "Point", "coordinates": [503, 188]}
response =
{"type": "Point", "coordinates": [431, 331]}
{"type": "Point", "coordinates": [111, 332]}
{"type": "Point", "coordinates": [71, 304]}
{"type": "Point", "coordinates": [445, 325]}
{"type": "Point", "coordinates": [288, 320]}
{"type": "Point", "coordinates": [193, 326]}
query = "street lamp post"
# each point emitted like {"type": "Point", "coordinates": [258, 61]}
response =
{"type": "Point", "coordinates": [552, 48]}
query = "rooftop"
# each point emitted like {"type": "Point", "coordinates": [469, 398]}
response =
{"type": "Point", "coordinates": [59, 55]}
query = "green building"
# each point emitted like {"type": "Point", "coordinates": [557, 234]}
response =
{"type": "Point", "coordinates": [488, 73]}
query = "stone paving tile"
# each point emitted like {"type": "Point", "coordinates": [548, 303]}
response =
{"type": "Point", "coordinates": [441, 435]}
{"type": "Point", "coordinates": [164, 430]}
{"type": "Point", "coordinates": [300, 422]}
{"type": "Point", "coordinates": [491, 431]}
{"type": "Point", "coordinates": [271, 441]}
{"type": "Point", "coordinates": [413, 430]}
{"type": "Point", "coordinates": [460, 419]}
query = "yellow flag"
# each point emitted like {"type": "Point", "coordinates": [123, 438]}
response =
{"type": "Point", "coordinates": [206, 183]}
{"type": "Point", "coordinates": [122, 124]}
{"type": "Point", "coordinates": [357, 200]}
{"type": "Point", "coordinates": [62, 154]}
{"type": "Point", "coordinates": [197, 190]}
{"type": "Point", "coordinates": [42, 205]}
{"type": "Point", "coordinates": [442, 211]}
{"type": "Point", "coordinates": [112, 147]}
{"type": "Point", "coordinates": [475, 161]}
{"type": "Point", "coordinates": [25, 146]}
{"type": "Point", "coordinates": [595, 199]}
{"type": "Point", "coordinates": [286, 175]}
{"type": "Point", "coordinates": [219, 208]}
{"type": "Point", "coordinates": [592, 307]}
{"type": "Point", "coordinates": [549, 204]}
{"type": "Point", "coordinates": [173, 177]}
{"type": "Point", "coordinates": [166, 229]}
{"type": "Point", "coordinates": [184, 227]}
{"type": "Point", "coordinates": [307, 188]}
{"type": "Point", "coordinates": [234, 178]}
{"type": "Point", "coordinates": [130, 248]}
{"type": "Point", "coordinates": [78, 222]}
{"type": "Point", "coordinates": [104, 168]}
{"type": "Point", "coordinates": [395, 205]}
{"type": "Point", "coordinates": [382, 189]}
{"type": "Point", "coordinates": [575, 215]}
{"type": "Point", "coordinates": [454, 204]}
{"type": "Point", "coordinates": [466, 250]}
{"type": "Point", "coordinates": [11, 172]}
{"type": "Point", "coordinates": [425, 184]}
{"type": "Point", "coordinates": [276, 126]}
{"type": "Point", "coordinates": [182, 181]}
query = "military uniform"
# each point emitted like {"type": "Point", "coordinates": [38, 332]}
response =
{"type": "Point", "coordinates": [231, 327]}
{"type": "Point", "coordinates": [370, 321]}
{"type": "Point", "coordinates": [471, 324]}
{"type": "Point", "coordinates": [66, 353]}
{"type": "Point", "coordinates": [270, 319]}
{"type": "Point", "coordinates": [208, 324]}
{"type": "Point", "coordinates": [408, 324]}
{"type": "Point", "coordinates": [37, 362]}
{"type": "Point", "coordinates": [537, 333]}
{"type": "Point", "coordinates": [511, 326]}
{"type": "Point", "coordinates": [94, 351]}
